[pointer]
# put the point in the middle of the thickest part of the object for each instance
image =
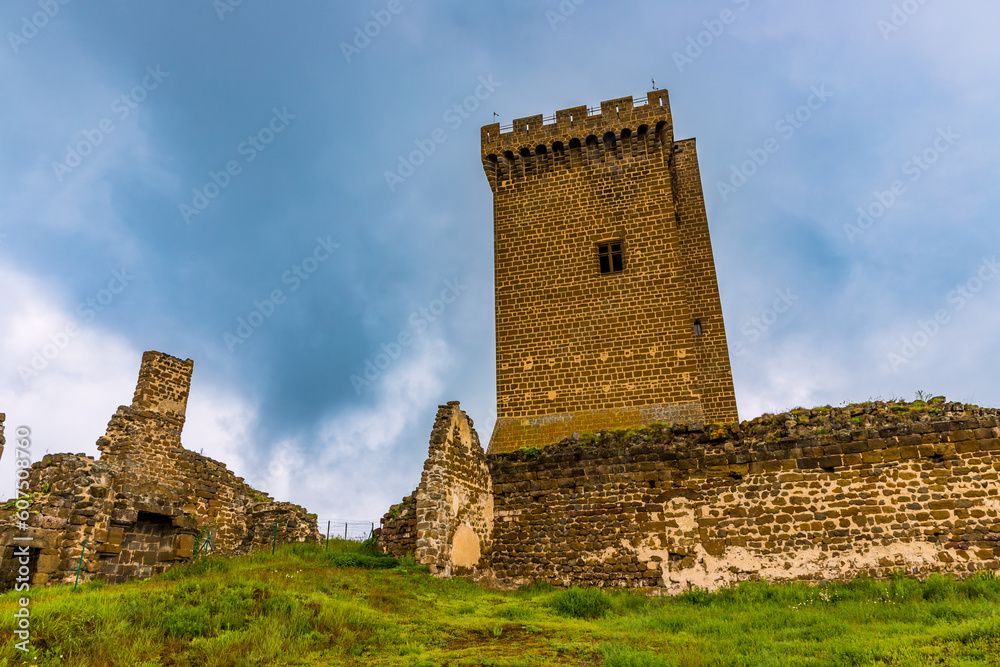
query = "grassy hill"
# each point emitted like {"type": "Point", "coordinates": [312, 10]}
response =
{"type": "Point", "coordinates": [343, 606]}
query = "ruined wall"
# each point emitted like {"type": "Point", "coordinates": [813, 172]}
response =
{"type": "Point", "coordinates": [398, 532]}
{"type": "Point", "coordinates": [453, 503]}
{"type": "Point", "coordinates": [73, 499]}
{"type": "Point", "coordinates": [820, 494]}
{"type": "Point", "coordinates": [142, 505]}
{"type": "Point", "coordinates": [580, 350]}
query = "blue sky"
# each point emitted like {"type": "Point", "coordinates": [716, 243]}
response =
{"type": "Point", "coordinates": [210, 180]}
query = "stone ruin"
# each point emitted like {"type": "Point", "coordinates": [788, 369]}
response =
{"type": "Point", "coordinates": [610, 321]}
{"type": "Point", "coordinates": [447, 522]}
{"type": "Point", "coordinates": [144, 504]}
{"type": "Point", "coordinates": [821, 494]}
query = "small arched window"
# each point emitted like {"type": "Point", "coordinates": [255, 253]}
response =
{"type": "Point", "coordinates": [697, 327]}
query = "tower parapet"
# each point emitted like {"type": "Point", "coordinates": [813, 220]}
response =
{"type": "Point", "coordinates": [577, 137]}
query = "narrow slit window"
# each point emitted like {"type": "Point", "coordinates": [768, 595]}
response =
{"type": "Point", "coordinates": [697, 327]}
{"type": "Point", "coordinates": [609, 255]}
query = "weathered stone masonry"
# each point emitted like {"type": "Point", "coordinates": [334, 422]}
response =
{"type": "Point", "coordinates": [577, 349]}
{"type": "Point", "coordinates": [588, 344]}
{"type": "Point", "coordinates": [141, 505]}
{"type": "Point", "coordinates": [447, 523]}
{"type": "Point", "coordinates": [813, 494]}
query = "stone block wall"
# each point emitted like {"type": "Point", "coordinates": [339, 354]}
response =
{"type": "Point", "coordinates": [820, 494]}
{"type": "Point", "coordinates": [453, 504]}
{"type": "Point", "coordinates": [69, 496]}
{"type": "Point", "coordinates": [455, 497]}
{"type": "Point", "coordinates": [147, 502]}
{"type": "Point", "coordinates": [398, 532]}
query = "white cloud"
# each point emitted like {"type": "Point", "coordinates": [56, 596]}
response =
{"type": "Point", "coordinates": [69, 400]}
{"type": "Point", "coordinates": [353, 470]}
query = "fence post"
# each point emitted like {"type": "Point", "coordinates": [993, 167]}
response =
{"type": "Point", "coordinates": [274, 540]}
{"type": "Point", "coordinates": [327, 545]}
{"type": "Point", "coordinates": [80, 564]}
{"type": "Point", "coordinates": [345, 530]}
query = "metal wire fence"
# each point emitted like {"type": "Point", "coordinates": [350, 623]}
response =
{"type": "Point", "coordinates": [355, 530]}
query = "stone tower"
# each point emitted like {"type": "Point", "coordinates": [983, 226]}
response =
{"type": "Point", "coordinates": [607, 304]}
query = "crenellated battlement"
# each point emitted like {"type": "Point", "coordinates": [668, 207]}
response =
{"type": "Point", "coordinates": [576, 137]}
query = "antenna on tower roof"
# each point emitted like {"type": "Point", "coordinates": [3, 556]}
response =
{"type": "Point", "coordinates": [654, 83]}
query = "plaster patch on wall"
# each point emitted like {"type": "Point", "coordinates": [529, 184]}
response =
{"type": "Point", "coordinates": [739, 564]}
{"type": "Point", "coordinates": [465, 547]}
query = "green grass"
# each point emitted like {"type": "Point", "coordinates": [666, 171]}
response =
{"type": "Point", "coordinates": [345, 606]}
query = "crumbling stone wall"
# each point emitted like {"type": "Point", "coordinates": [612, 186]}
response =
{"type": "Point", "coordinates": [455, 497]}
{"type": "Point", "coordinates": [453, 502]}
{"type": "Point", "coordinates": [147, 502]}
{"type": "Point", "coordinates": [72, 499]}
{"type": "Point", "coordinates": [398, 532]}
{"type": "Point", "coordinates": [812, 494]}
{"type": "Point", "coordinates": [820, 494]}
